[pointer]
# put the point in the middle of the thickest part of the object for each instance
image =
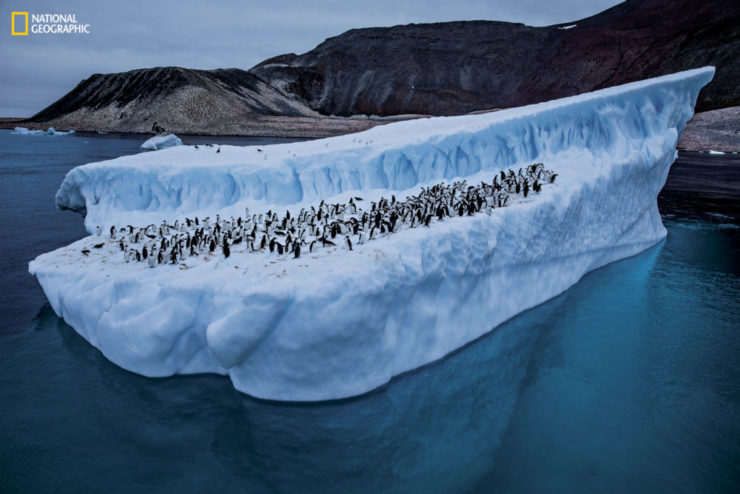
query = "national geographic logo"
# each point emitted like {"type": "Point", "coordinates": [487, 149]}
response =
{"type": "Point", "coordinates": [19, 23]}
{"type": "Point", "coordinates": [46, 24]}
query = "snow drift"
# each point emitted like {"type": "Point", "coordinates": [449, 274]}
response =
{"type": "Point", "coordinates": [338, 325]}
{"type": "Point", "coordinates": [161, 142]}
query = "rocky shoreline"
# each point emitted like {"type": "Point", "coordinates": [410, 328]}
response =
{"type": "Point", "coordinates": [717, 130]}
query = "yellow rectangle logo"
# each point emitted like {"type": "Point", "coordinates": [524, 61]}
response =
{"type": "Point", "coordinates": [14, 30]}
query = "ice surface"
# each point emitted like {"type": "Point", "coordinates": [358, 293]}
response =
{"type": "Point", "coordinates": [49, 132]}
{"type": "Point", "coordinates": [340, 324]}
{"type": "Point", "coordinates": [161, 142]}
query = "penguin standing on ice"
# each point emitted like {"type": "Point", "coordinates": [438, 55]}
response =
{"type": "Point", "coordinates": [349, 242]}
{"type": "Point", "coordinates": [226, 249]}
{"type": "Point", "coordinates": [97, 231]}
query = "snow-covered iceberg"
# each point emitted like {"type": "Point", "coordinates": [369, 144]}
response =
{"type": "Point", "coordinates": [161, 142]}
{"type": "Point", "coordinates": [332, 326]}
{"type": "Point", "coordinates": [51, 131]}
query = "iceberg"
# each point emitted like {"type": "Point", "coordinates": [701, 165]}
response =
{"type": "Point", "coordinates": [51, 131]}
{"type": "Point", "coordinates": [344, 322]}
{"type": "Point", "coordinates": [161, 142]}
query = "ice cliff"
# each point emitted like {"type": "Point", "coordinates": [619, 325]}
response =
{"type": "Point", "coordinates": [338, 325]}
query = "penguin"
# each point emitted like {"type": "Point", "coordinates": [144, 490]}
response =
{"type": "Point", "coordinates": [97, 230]}
{"type": "Point", "coordinates": [349, 242]}
{"type": "Point", "coordinates": [151, 260]}
{"type": "Point", "coordinates": [297, 250]}
{"type": "Point", "coordinates": [218, 150]}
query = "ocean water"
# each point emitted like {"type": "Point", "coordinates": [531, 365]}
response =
{"type": "Point", "coordinates": [629, 381]}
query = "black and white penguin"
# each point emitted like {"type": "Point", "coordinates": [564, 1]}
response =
{"type": "Point", "coordinates": [349, 242]}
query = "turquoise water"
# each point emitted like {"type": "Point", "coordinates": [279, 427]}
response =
{"type": "Point", "coordinates": [630, 381]}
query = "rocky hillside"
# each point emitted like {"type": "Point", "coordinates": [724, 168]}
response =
{"type": "Point", "coordinates": [170, 98]}
{"type": "Point", "coordinates": [428, 69]}
{"type": "Point", "coordinates": [458, 67]}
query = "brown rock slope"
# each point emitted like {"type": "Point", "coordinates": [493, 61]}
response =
{"type": "Point", "coordinates": [458, 67]}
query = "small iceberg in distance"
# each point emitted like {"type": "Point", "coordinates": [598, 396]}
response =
{"type": "Point", "coordinates": [343, 318]}
{"type": "Point", "coordinates": [51, 131]}
{"type": "Point", "coordinates": [161, 142]}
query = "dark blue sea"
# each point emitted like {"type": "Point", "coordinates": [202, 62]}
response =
{"type": "Point", "coordinates": [627, 382]}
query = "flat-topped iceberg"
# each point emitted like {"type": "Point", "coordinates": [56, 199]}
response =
{"type": "Point", "coordinates": [51, 131]}
{"type": "Point", "coordinates": [161, 142]}
{"type": "Point", "coordinates": [343, 322]}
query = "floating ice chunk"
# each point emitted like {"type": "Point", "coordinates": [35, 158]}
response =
{"type": "Point", "coordinates": [161, 142]}
{"type": "Point", "coordinates": [336, 325]}
{"type": "Point", "coordinates": [712, 151]}
{"type": "Point", "coordinates": [23, 131]}
{"type": "Point", "coordinates": [569, 26]}
{"type": "Point", "coordinates": [49, 132]}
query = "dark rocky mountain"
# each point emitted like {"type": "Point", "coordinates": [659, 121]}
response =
{"type": "Point", "coordinates": [153, 86]}
{"type": "Point", "coordinates": [458, 67]}
{"type": "Point", "coordinates": [429, 69]}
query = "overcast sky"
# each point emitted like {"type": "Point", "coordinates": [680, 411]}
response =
{"type": "Point", "coordinates": [130, 34]}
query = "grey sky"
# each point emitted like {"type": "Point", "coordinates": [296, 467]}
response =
{"type": "Point", "coordinates": [130, 34]}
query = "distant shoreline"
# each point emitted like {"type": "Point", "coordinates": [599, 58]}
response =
{"type": "Point", "coordinates": [717, 130]}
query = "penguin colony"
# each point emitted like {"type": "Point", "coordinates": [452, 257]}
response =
{"type": "Point", "coordinates": [325, 226]}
